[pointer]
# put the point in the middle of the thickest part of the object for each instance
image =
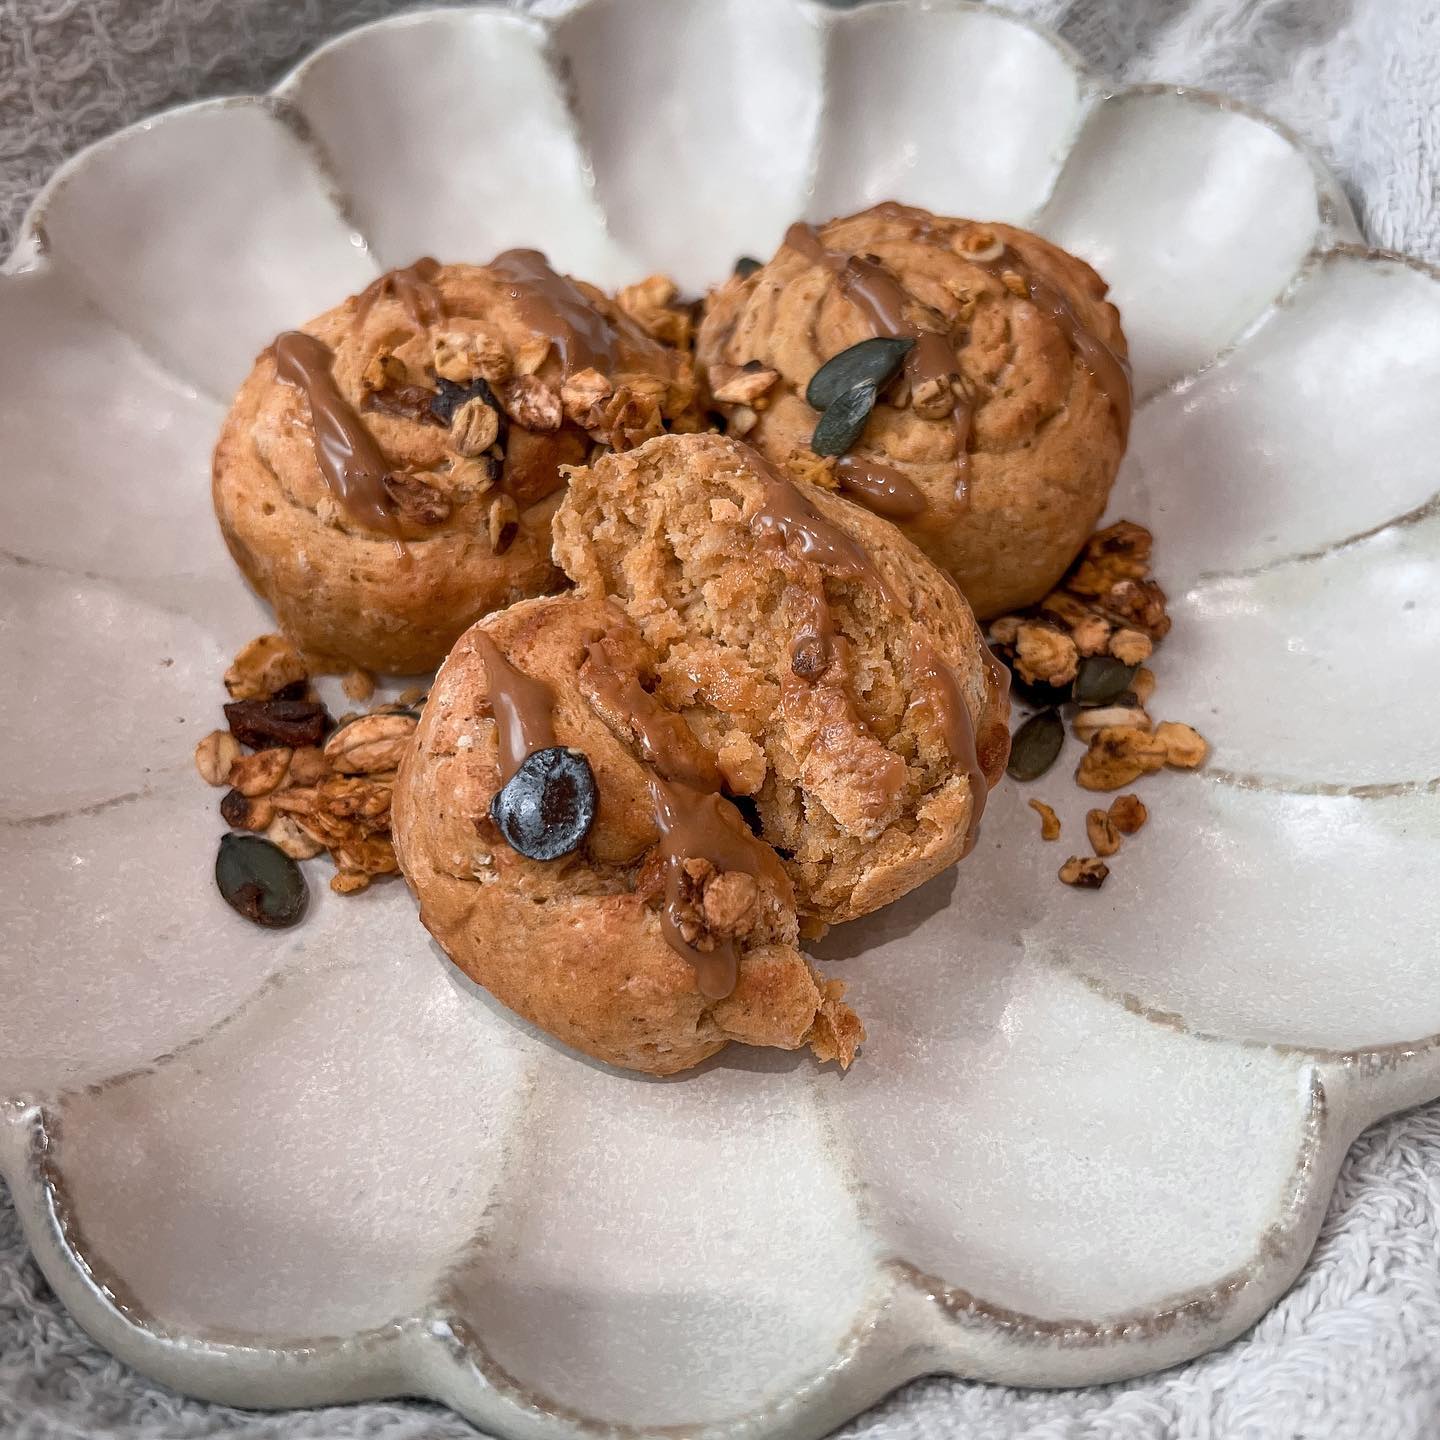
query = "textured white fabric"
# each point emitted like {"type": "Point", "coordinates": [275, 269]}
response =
{"type": "Point", "coordinates": [1353, 1353]}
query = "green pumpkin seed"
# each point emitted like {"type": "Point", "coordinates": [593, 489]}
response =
{"type": "Point", "coordinates": [1035, 745]}
{"type": "Point", "coordinates": [746, 266]}
{"type": "Point", "coordinates": [1102, 679]}
{"type": "Point", "coordinates": [870, 362]}
{"type": "Point", "coordinates": [843, 421]}
{"type": "Point", "coordinates": [260, 881]}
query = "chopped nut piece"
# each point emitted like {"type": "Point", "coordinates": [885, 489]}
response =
{"type": "Point", "coordinates": [1128, 813]}
{"type": "Point", "coordinates": [932, 399]}
{"type": "Point", "coordinates": [349, 882]}
{"type": "Point", "coordinates": [358, 684]}
{"type": "Point", "coordinates": [504, 523]}
{"type": "Point", "coordinates": [1004, 630]}
{"type": "Point", "coordinates": [1102, 832]}
{"type": "Point", "coordinates": [1119, 552]}
{"type": "Point", "coordinates": [308, 766]}
{"type": "Point", "coordinates": [731, 905]}
{"type": "Point", "coordinates": [266, 665]}
{"type": "Point", "coordinates": [1184, 745]}
{"type": "Point", "coordinates": [583, 396]}
{"type": "Point", "coordinates": [370, 745]}
{"type": "Point", "coordinates": [1131, 646]}
{"type": "Point", "coordinates": [530, 356]}
{"type": "Point", "coordinates": [260, 773]}
{"type": "Point", "coordinates": [1043, 654]}
{"type": "Point", "coordinates": [1138, 604]}
{"type": "Point", "coordinates": [384, 371]}
{"type": "Point", "coordinates": [741, 421]}
{"type": "Point", "coordinates": [474, 428]}
{"type": "Point", "coordinates": [1014, 282]}
{"type": "Point", "coordinates": [739, 384]}
{"type": "Point", "coordinates": [1065, 610]}
{"type": "Point", "coordinates": [1049, 820]}
{"type": "Point", "coordinates": [1088, 723]}
{"type": "Point", "coordinates": [1092, 637]}
{"type": "Point", "coordinates": [241, 812]}
{"type": "Point", "coordinates": [214, 756]}
{"type": "Point", "coordinates": [532, 403]}
{"type": "Point", "coordinates": [1143, 684]}
{"type": "Point", "coordinates": [1118, 755]}
{"type": "Point", "coordinates": [284, 832]}
{"type": "Point", "coordinates": [413, 695]}
{"type": "Point", "coordinates": [1084, 874]}
{"type": "Point", "coordinates": [462, 356]}
{"type": "Point", "coordinates": [978, 243]}
{"type": "Point", "coordinates": [651, 304]}
{"type": "Point", "coordinates": [813, 469]}
{"type": "Point", "coordinates": [369, 855]}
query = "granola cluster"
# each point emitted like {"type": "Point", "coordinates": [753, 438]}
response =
{"type": "Point", "coordinates": [307, 783]}
{"type": "Point", "coordinates": [1081, 654]}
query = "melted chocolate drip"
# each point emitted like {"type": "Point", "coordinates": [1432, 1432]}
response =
{"type": "Point", "coordinates": [554, 306]}
{"type": "Point", "coordinates": [350, 459]}
{"type": "Point", "coordinates": [523, 708]}
{"type": "Point", "coordinates": [414, 287]}
{"type": "Point", "coordinates": [884, 302]}
{"type": "Point", "coordinates": [880, 487]}
{"type": "Point", "coordinates": [701, 825]}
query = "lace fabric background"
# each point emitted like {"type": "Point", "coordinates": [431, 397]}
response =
{"type": "Point", "coordinates": [1352, 1351]}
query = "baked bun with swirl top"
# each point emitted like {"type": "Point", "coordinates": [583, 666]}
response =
{"type": "Point", "coordinates": [759, 709]}
{"type": "Point", "coordinates": [387, 474]}
{"type": "Point", "coordinates": [994, 437]}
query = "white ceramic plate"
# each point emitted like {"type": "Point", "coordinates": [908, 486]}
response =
{"type": "Point", "coordinates": [1090, 1134]}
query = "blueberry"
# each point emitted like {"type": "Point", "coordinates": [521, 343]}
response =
{"type": "Point", "coordinates": [545, 810]}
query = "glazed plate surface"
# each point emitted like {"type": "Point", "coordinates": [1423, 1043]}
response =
{"type": "Point", "coordinates": [1090, 1135]}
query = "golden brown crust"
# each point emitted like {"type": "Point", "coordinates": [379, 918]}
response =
{"type": "Point", "coordinates": [347, 595]}
{"type": "Point", "coordinates": [573, 945]}
{"type": "Point", "coordinates": [851, 774]}
{"type": "Point", "coordinates": [1046, 441]}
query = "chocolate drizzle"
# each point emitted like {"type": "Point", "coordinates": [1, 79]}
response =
{"type": "Point", "coordinates": [886, 304]}
{"type": "Point", "coordinates": [785, 516]}
{"type": "Point", "coordinates": [350, 458]}
{"type": "Point", "coordinates": [414, 287]}
{"type": "Point", "coordinates": [702, 825]}
{"type": "Point", "coordinates": [523, 708]}
{"type": "Point", "coordinates": [880, 487]}
{"type": "Point", "coordinates": [554, 306]}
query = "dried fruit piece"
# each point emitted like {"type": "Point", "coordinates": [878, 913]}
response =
{"type": "Point", "coordinates": [1102, 832]}
{"type": "Point", "coordinates": [1085, 873]}
{"type": "Point", "coordinates": [260, 773]}
{"type": "Point", "coordinates": [869, 362]}
{"type": "Point", "coordinates": [1184, 746]}
{"type": "Point", "coordinates": [546, 808]}
{"type": "Point", "coordinates": [1128, 813]}
{"type": "Point", "coordinates": [1049, 820]}
{"type": "Point", "coordinates": [262, 724]}
{"type": "Point", "coordinates": [1035, 745]}
{"type": "Point", "coordinates": [214, 756]}
{"type": "Point", "coordinates": [243, 813]}
{"type": "Point", "coordinates": [1101, 679]}
{"type": "Point", "coordinates": [843, 421]}
{"type": "Point", "coordinates": [267, 664]}
{"type": "Point", "coordinates": [260, 882]}
{"type": "Point", "coordinates": [1118, 755]}
{"type": "Point", "coordinates": [449, 397]}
